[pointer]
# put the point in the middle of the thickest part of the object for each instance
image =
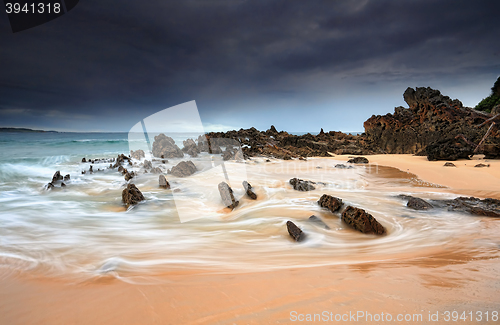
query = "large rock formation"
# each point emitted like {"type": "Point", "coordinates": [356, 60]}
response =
{"type": "Point", "coordinates": [131, 195]}
{"type": "Point", "coordinates": [360, 220]}
{"type": "Point", "coordinates": [431, 117]}
{"type": "Point", "coordinates": [165, 147]}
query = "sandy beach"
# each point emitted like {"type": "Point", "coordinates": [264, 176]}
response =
{"type": "Point", "coordinates": [433, 286]}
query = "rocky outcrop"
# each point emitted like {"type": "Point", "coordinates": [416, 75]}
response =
{"type": "Point", "coordinates": [360, 220]}
{"type": "Point", "coordinates": [249, 190]}
{"type": "Point", "coordinates": [57, 177]}
{"type": "Point", "coordinates": [156, 170]}
{"type": "Point", "coordinates": [294, 231]}
{"type": "Point", "coordinates": [191, 148]}
{"type": "Point", "coordinates": [302, 185]}
{"type": "Point", "coordinates": [318, 221]}
{"type": "Point", "coordinates": [148, 164]}
{"type": "Point", "coordinates": [183, 169]}
{"type": "Point", "coordinates": [330, 202]}
{"type": "Point", "coordinates": [417, 203]}
{"type": "Point", "coordinates": [138, 154]}
{"type": "Point", "coordinates": [131, 195]}
{"type": "Point", "coordinates": [165, 147]}
{"type": "Point", "coordinates": [430, 118]}
{"type": "Point", "coordinates": [226, 193]}
{"type": "Point", "coordinates": [67, 177]}
{"type": "Point", "coordinates": [162, 180]}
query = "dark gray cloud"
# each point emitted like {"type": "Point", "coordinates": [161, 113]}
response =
{"type": "Point", "coordinates": [104, 65]}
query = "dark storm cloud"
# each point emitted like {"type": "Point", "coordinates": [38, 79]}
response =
{"type": "Point", "coordinates": [106, 58]}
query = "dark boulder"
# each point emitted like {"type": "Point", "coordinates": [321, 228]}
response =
{"type": "Point", "coordinates": [318, 221]}
{"type": "Point", "coordinates": [49, 186]}
{"type": "Point", "coordinates": [330, 202]}
{"type": "Point", "coordinates": [491, 151]}
{"type": "Point", "coordinates": [165, 147]}
{"type": "Point", "coordinates": [138, 154]}
{"type": "Point", "coordinates": [183, 169]}
{"type": "Point", "coordinates": [67, 178]}
{"type": "Point", "coordinates": [63, 185]}
{"type": "Point", "coordinates": [482, 165]}
{"type": "Point", "coordinates": [84, 160]}
{"type": "Point", "coordinates": [449, 164]}
{"type": "Point", "coordinates": [226, 193]}
{"type": "Point", "coordinates": [360, 220]}
{"type": "Point", "coordinates": [449, 149]}
{"type": "Point", "coordinates": [358, 160]}
{"type": "Point", "coordinates": [249, 190]}
{"type": "Point", "coordinates": [302, 185]}
{"type": "Point", "coordinates": [294, 231]}
{"type": "Point", "coordinates": [163, 182]}
{"type": "Point", "coordinates": [129, 175]}
{"type": "Point", "coordinates": [131, 195]}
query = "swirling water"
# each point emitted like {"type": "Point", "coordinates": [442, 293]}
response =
{"type": "Point", "coordinates": [83, 230]}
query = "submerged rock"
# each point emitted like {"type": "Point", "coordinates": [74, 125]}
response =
{"type": "Point", "coordinates": [67, 178]}
{"type": "Point", "coordinates": [487, 207]}
{"type": "Point", "coordinates": [360, 220]}
{"type": "Point", "coordinates": [482, 165]}
{"type": "Point", "coordinates": [318, 221]}
{"type": "Point", "coordinates": [294, 231]}
{"type": "Point", "coordinates": [358, 160]}
{"type": "Point", "coordinates": [226, 193]}
{"type": "Point", "coordinates": [156, 170]}
{"type": "Point", "coordinates": [302, 185]}
{"type": "Point", "coordinates": [330, 202]}
{"type": "Point", "coordinates": [165, 147]}
{"type": "Point", "coordinates": [342, 166]}
{"type": "Point", "coordinates": [449, 164]}
{"type": "Point", "coordinates": [131, 195]}
{"type": "Point", "coordinates": [49, 186]}
{"type": "Point", "coordinates": [84, 160]}
{"type": "Point", "coordinates": [183, 169]}
{"type": "Point", "coordinates": [163, 182]}
{"type": "Point", "coordinates": [417, 203]}
{"type": "Point", "coordinates": [249, 190]}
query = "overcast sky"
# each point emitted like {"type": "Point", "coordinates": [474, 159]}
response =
{"type": "Point", "coordinates": [300, 65]}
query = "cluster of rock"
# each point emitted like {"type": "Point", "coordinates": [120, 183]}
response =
{"type": "Point", "coordinates": [57, 180]}
{"type": "Point", "coordinates": [434, 125]}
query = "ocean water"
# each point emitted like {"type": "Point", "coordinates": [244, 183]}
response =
{"type": "Point", "coordinates": [84, 231]}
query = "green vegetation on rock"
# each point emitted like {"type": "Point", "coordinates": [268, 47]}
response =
{"type": "Point", "coordinates": [492, 100]}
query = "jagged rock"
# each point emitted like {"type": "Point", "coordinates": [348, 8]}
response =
{"type": "Point", "coordinates": [138, 154]}
{"type": "Point", "coordinates": [131, 195]}
{"type": "Point", "coordinates": [84, 160]}
{"type": "Point", "coordinates": [49, 186]}
{"type": "Point", "coordinates": [417, 203]}
{"type": "Point", "coordinates": [190, 148]}
{"type": "Point", "coordinates": [482, 165]}
{"type": "Point", "coordinates": [358, 160]}
{"type": "Point", "coordinates": [165, 147]}
{"type": "Point", "coordinates": [430, 117]}
{"type": "Point", "coordinates": [330, 202]}
{"type": "Point", "coordinates": [228, 154]}
{"type": "Point", "coordinates": [249, 190]}
{"type": "Point", "coordinates": [156, 170]}
{"type": "Point", "coordinates": [475, 206]}
{"type": "Point", "coordinates": [57, 177]}
{"type": "Point", "coordinates": [147, 164]}
{"type": "Point", "coordinates": [294, 231]}
{"type": "Point", "coordinates": [226, 193]}
{"type": "Point", "coordinates": [318, 221]}
{"type": "Point", "coordinates": [67, 178]}
{"type": "Point", "coordinates": [491, 151]}
{"type": "Point", "coordinates": [449, 164]}
{"type": "Point", "coordinates": [121, 169]}
{"type": "Point", "coordinates": [360, 220]}
{"type": "Point", "coordinates": [63, 185]}
{"type": "Point", "coordinates": [448, 149]}
{"type": "Point", "coordinates": [302, 185]}
{"type": "Point", "coordinates": [163, 182]}
{"type": "Point", "coordinates": [183, 169]}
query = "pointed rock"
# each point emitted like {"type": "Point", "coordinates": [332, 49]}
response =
{"type": "Point", "coordinates": [249, 190]}
{"type": "Point", "coordinates": [294, 231]}
{"type": "Point", "coordinates": [131, 195]}
{"type": "Point", "coordinates": [226, 193]}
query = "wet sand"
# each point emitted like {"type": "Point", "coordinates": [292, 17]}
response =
{"type": "Point", "coordinates": [411, 287]}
